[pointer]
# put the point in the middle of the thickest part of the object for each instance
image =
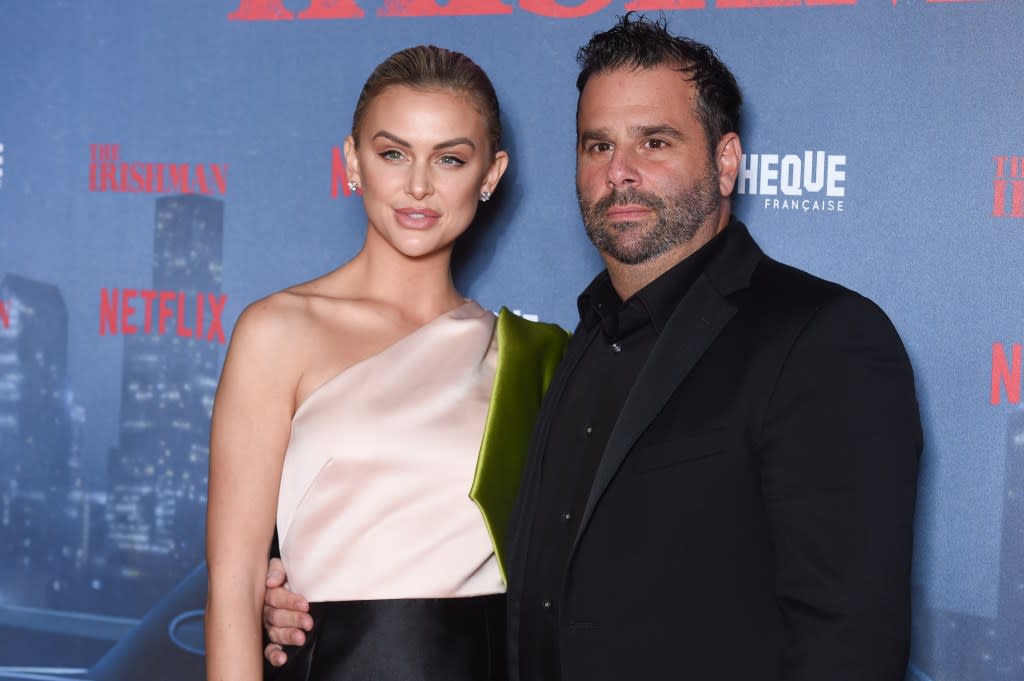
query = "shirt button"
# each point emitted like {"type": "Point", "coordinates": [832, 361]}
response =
{"type": "Point", "coordinates": [566, 516]}
{"type": "Point", "coordinates": [589, 430]}
{"type": "Point", "coordinates": [546, 604]}
{"type": "Point", "coordinates": [616, 347]}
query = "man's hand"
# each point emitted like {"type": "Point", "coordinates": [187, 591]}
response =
{"type": "Point", "coordinates": [285, 615]}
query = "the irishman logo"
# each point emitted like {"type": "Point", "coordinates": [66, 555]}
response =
{"type": "Point", "coordinates": [108, 172]}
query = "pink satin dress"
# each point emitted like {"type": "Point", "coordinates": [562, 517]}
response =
{"type": "Point", "coordinates": [375, 524]}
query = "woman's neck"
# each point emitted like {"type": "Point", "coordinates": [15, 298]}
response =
{"type": "Point", "coordinates": [420, 288]}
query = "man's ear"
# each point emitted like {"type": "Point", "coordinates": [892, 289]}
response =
{"type": "Point", "coordinates": [727, 158]}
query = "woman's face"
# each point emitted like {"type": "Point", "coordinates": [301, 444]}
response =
{"type": "Point", "coordinates": [423, 159]}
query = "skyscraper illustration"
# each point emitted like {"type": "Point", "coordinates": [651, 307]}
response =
{"type": "Point", "coordinates": [35, 419]}
{"type": "Point", "coordinates": [157, 472]}
{"type": "Point", "coordinates": [1011, 557]}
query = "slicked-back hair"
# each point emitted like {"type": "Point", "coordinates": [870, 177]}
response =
{"type": "Point", "coordinates": [637, 42]}
{"type": "Point", "coordinates": [427, 68]}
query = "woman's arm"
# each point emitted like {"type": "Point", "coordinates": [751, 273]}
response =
{"type": "Point", "coordinates": [249, 433]}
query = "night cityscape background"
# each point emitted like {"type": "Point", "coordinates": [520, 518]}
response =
{"type": "Point", "coordinates": [114, 551]}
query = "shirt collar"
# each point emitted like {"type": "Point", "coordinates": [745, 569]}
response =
{"type": "Point", "coordinates": [655, 302]}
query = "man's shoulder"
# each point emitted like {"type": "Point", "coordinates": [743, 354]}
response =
{"type": "Point", "coordinates": [778, 289]}
{"type": "Point", "coordinates": [792, 286]}
{"type": "Point", "coordinates": [771, 273]}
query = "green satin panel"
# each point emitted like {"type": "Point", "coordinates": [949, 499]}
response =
{"type": "Point", "coordinates": [528, 353]}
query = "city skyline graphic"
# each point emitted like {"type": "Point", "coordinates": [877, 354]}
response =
{"type": "Point", "coordinates": [89, 564]}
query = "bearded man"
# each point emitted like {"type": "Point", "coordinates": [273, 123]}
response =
{"type": "Point", "coordinates": [722, 481]}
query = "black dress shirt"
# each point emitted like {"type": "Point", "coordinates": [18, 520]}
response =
{"type": "Point", "coordinates": [618, 337]}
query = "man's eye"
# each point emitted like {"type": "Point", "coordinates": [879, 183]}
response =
{"type": "Point", "coordinates": [656, 144]}
{"type": "Point", "coordinates": [601, 147]}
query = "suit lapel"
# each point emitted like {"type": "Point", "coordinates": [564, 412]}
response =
{"type": "Point", "coordinates": [698, 319]}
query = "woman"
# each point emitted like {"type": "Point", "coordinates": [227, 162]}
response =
{"type": "Point", "coordinates": [378, 416]}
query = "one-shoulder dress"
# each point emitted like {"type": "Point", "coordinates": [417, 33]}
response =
{"type": "Point", "coordinates": [376, 522]}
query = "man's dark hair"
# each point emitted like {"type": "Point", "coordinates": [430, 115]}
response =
{"type": "Point", "coordinates": [641, 43]}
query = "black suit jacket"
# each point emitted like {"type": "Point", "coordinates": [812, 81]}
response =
{"type": "Point", "coordinates": [751, 517]}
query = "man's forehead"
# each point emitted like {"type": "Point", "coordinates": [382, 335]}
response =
{"type": "Point", "coordinates": [627, 84]}
{"type": "Point", "coordinates": [638, 99]}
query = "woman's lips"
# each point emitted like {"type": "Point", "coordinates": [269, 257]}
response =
{"type": "Point", "coordinates": [417, 218]}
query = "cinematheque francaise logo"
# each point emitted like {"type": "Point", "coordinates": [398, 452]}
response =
{"type": "Point", "coordinates": [130, 311]}
{"type": "Point", "coordinates": [803, 182]}
{"type": "Point", "coordinates": [275, 10]}
{"type": "Point", "coordinates": [1008, 187]}
{"type": "Point", "coordinates": [109, 172]}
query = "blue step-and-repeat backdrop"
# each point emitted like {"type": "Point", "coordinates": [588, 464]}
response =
{"type": "Point", "coordinates": [164, 163]}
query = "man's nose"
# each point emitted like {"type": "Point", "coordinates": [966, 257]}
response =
{"type": "Point", "coordinates": [622, 168]}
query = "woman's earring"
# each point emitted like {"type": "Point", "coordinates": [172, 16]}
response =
{"type": "Point", "coordinates": [485, 195]}
{"type": "Point", "coordinates": [352, 185]}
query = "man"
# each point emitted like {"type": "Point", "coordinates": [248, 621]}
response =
{"type": "Point", "coordinates": [721, 483]}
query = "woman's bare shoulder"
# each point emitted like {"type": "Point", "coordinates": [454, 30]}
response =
{"type": "Point", "coordinates": [308, 316]}
{"type": "Point", "coordinates": [279, 314]}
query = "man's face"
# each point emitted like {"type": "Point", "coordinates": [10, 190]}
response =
{"type": "Point", "coordinates": [645, 180]}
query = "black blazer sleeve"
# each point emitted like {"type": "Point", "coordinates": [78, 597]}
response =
{"type": "Point", "coordinates": [839, 455]}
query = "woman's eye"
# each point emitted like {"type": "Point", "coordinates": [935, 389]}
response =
{"type": "Point", "coordinates": [449, 160]}
{"type": "Point", "coordinates": [392, 155]}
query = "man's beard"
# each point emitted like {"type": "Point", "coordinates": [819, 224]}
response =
{"type": "Point", "coordinates": [678, 217]}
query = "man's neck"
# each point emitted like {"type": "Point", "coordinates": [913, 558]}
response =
{"type": "Point", "coordinates": [628, 279]}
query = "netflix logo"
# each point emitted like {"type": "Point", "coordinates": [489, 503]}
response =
{"type": "Point", "coordinates": [108, 172]}
{"type": "Point", "coordinates": [5, 317]}
{"type": "Point", "coordinates": [1008, 187]}
{"type": "Point", "coordinates": [1006, 374]}
{"type": "Point", "coordinates": [130, 311]}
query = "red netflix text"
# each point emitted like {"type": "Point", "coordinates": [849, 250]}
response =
{"type": "Point", "coordinates": [339, 178]}
{"type": "Point", "coordinates": [275, 10]}
{"type": "Point", "coordinates": [5, 319]}
{"type": "Point", "coordinates": [128, 311]}
{"type": "Point", "coordinates": [1006, 374]}
{"type": "Point", "coordinates": [1008, 187]}
{"type": "Point", "coordinates": [108, 173]}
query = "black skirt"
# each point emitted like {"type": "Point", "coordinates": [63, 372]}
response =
{"type": "Point", "coordinates": [414, 639]}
